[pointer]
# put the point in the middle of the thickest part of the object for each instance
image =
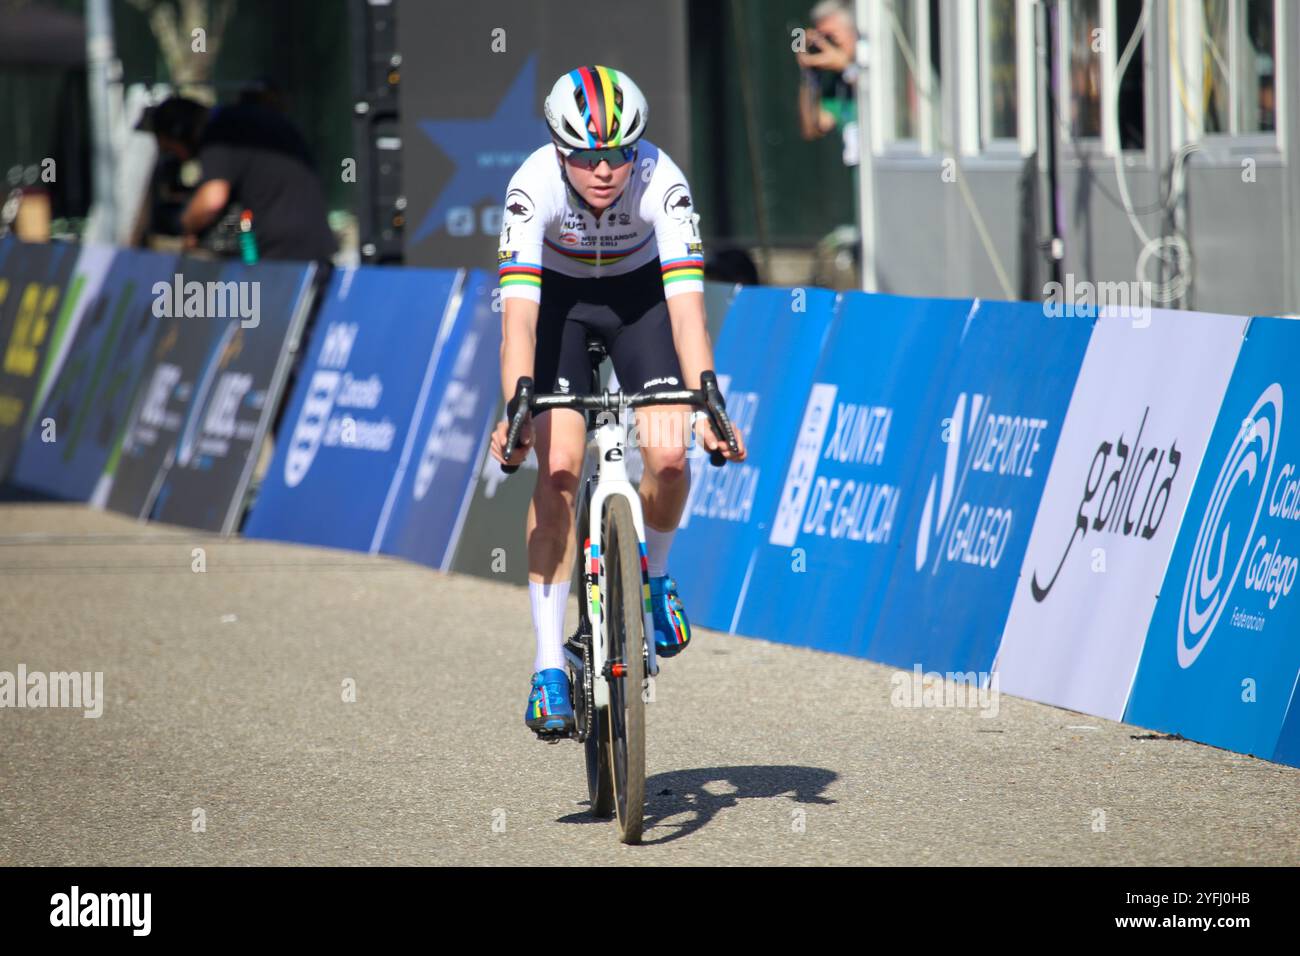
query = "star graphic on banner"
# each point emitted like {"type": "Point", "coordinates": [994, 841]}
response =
{"type": "Point", "coordinates": [486, 151]}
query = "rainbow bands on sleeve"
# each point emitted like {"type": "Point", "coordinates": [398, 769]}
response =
{"type": "Point", "coordinates": [684, 269]}
{"type": "Point", "coordinates": [519, 274]}
{"type": "Point", "coordinates": [597, 85]}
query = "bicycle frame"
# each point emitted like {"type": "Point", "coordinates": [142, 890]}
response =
{"type": "Point", "coordinates": [610, 479]}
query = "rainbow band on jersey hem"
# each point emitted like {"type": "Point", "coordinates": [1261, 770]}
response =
{"type": "Point", "coordinates": [680, 270]}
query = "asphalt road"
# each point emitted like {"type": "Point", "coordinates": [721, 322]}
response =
{"type": "Point", "coordinates": [223, 704]}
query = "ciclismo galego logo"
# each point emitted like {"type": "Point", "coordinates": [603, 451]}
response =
{"type": "Point", "coordinates": [1226, 542]}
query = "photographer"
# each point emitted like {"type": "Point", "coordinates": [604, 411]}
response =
{"type": "Point", "coordinates": [252, 158]}
{"type": "Point", "coordinates": [827, 91]}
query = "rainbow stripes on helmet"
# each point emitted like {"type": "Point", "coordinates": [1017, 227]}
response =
{"type": "Point", "coordinates": [597, 84]}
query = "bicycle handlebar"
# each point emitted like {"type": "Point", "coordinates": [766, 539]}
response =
{"type": "Point", "coordinates": [708, 396]}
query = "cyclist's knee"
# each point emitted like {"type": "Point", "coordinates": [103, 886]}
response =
{"type": "Point", "coordinates": [558, 476]}
{"type": "Point", "coordinates": [665, 463]}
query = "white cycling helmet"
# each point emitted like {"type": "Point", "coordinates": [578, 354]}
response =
{"type": "Point", "coordinates": [600, 93]}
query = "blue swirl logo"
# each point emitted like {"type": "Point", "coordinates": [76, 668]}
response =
{"type": "Point", "coordinates": [1228, 525]}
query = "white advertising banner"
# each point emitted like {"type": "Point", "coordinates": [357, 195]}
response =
{"type": "Point", "coordinates": [1139, 421]}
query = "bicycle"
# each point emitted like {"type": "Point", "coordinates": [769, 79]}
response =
{"type": "Point", "coordinates": [608, 678]}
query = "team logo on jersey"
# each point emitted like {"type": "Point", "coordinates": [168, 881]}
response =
{"type": "Point", "coordinates": [689, 230]}
{"type": "Point", "coordinates": [519, 206]}
{"type": "Point", "coordinates": [569, 238]}
{"type": "Point", "coordinates": [505, 255]}
{"type": "Point", "coordinates": [677, 203]}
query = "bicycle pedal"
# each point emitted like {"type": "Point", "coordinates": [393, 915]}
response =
{"type": "Point", "coordinates": [553, 736]}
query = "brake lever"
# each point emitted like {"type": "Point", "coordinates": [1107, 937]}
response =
{"type": "Point", "coordinates": [517, 410]}
{"type": "Point", "coordinates": [717, 408]}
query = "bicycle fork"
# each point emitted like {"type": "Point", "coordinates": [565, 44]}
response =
{"type": "Point", "coordinates": [611, 479]}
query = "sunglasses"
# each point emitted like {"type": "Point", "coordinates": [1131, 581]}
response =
{"type": "Point", "coordinates": [616, 156]}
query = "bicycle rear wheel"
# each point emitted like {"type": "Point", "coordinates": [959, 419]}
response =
{"type": "Point", "coordinates": [600, 788]}
{"type": "Point", "coordinates": [625, 629]}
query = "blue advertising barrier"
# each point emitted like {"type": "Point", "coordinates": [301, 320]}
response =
{"type": "Point", "coordinates": [983, 464]}
{"type": "Point", "coordinates": [166, 393]}
{"type": "Point", "coordinates": [769, 347]}
{"type": "Point", "coordinates": [34, 283]}
{"type": "Point", "coordinates": [433, 489]}
{"type": "Point", "coordinates": [1220, 660]}
{"type": "Point", "coordinates": [898, 450]}
{"type": "Point", "coordinates": [92, 397]}
{"type": "Point", "coordinates": [348, 424]}
{"type": "Point", "coordinates": [237, 389]}
{"type": "Point", "coordinates": [1288, 741]}
{"type": "Point", "coordinates": [819, 571]}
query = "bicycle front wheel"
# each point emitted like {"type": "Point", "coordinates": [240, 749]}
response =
{"type": "Point", "coordinates": [625, 630]}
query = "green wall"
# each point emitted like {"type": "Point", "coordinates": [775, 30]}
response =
{"type": "Point", "coordinates": [804, 186]}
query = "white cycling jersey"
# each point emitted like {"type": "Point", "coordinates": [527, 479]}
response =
{"type": "Point", "coordinates": [546, 225]}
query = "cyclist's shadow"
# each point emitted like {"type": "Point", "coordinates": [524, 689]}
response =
{"type": "Point", "coordinates": [700, 794]}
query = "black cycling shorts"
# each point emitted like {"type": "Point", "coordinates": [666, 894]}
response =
{"type": "Point", "coordinates": [629, 312]}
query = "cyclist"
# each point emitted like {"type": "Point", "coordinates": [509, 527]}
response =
{"type": "Point", "coordinates": [599, 235]}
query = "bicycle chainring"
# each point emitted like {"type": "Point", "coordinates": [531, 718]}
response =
{"type": "Point", "coordinates": [582, 713]}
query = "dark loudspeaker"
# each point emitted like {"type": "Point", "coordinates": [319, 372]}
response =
{"type": "Point", "coordinates": [376, 85]}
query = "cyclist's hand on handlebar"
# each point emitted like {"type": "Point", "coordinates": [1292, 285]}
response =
{"type": "Point", "coordinates": [708, 438]}
{"type": "Point", "coordinates": [521, 450]}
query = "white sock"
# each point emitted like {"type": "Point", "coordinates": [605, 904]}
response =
{"type": "Point", "coordinates": [549, 602]}
{"type": "Point", "coordinates": [657, 544]}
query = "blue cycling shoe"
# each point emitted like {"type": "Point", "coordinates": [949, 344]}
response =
{"type": "Point", "coordinates": [672, 630]}
{"type": "Point", "coordinates": [549, 707]}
